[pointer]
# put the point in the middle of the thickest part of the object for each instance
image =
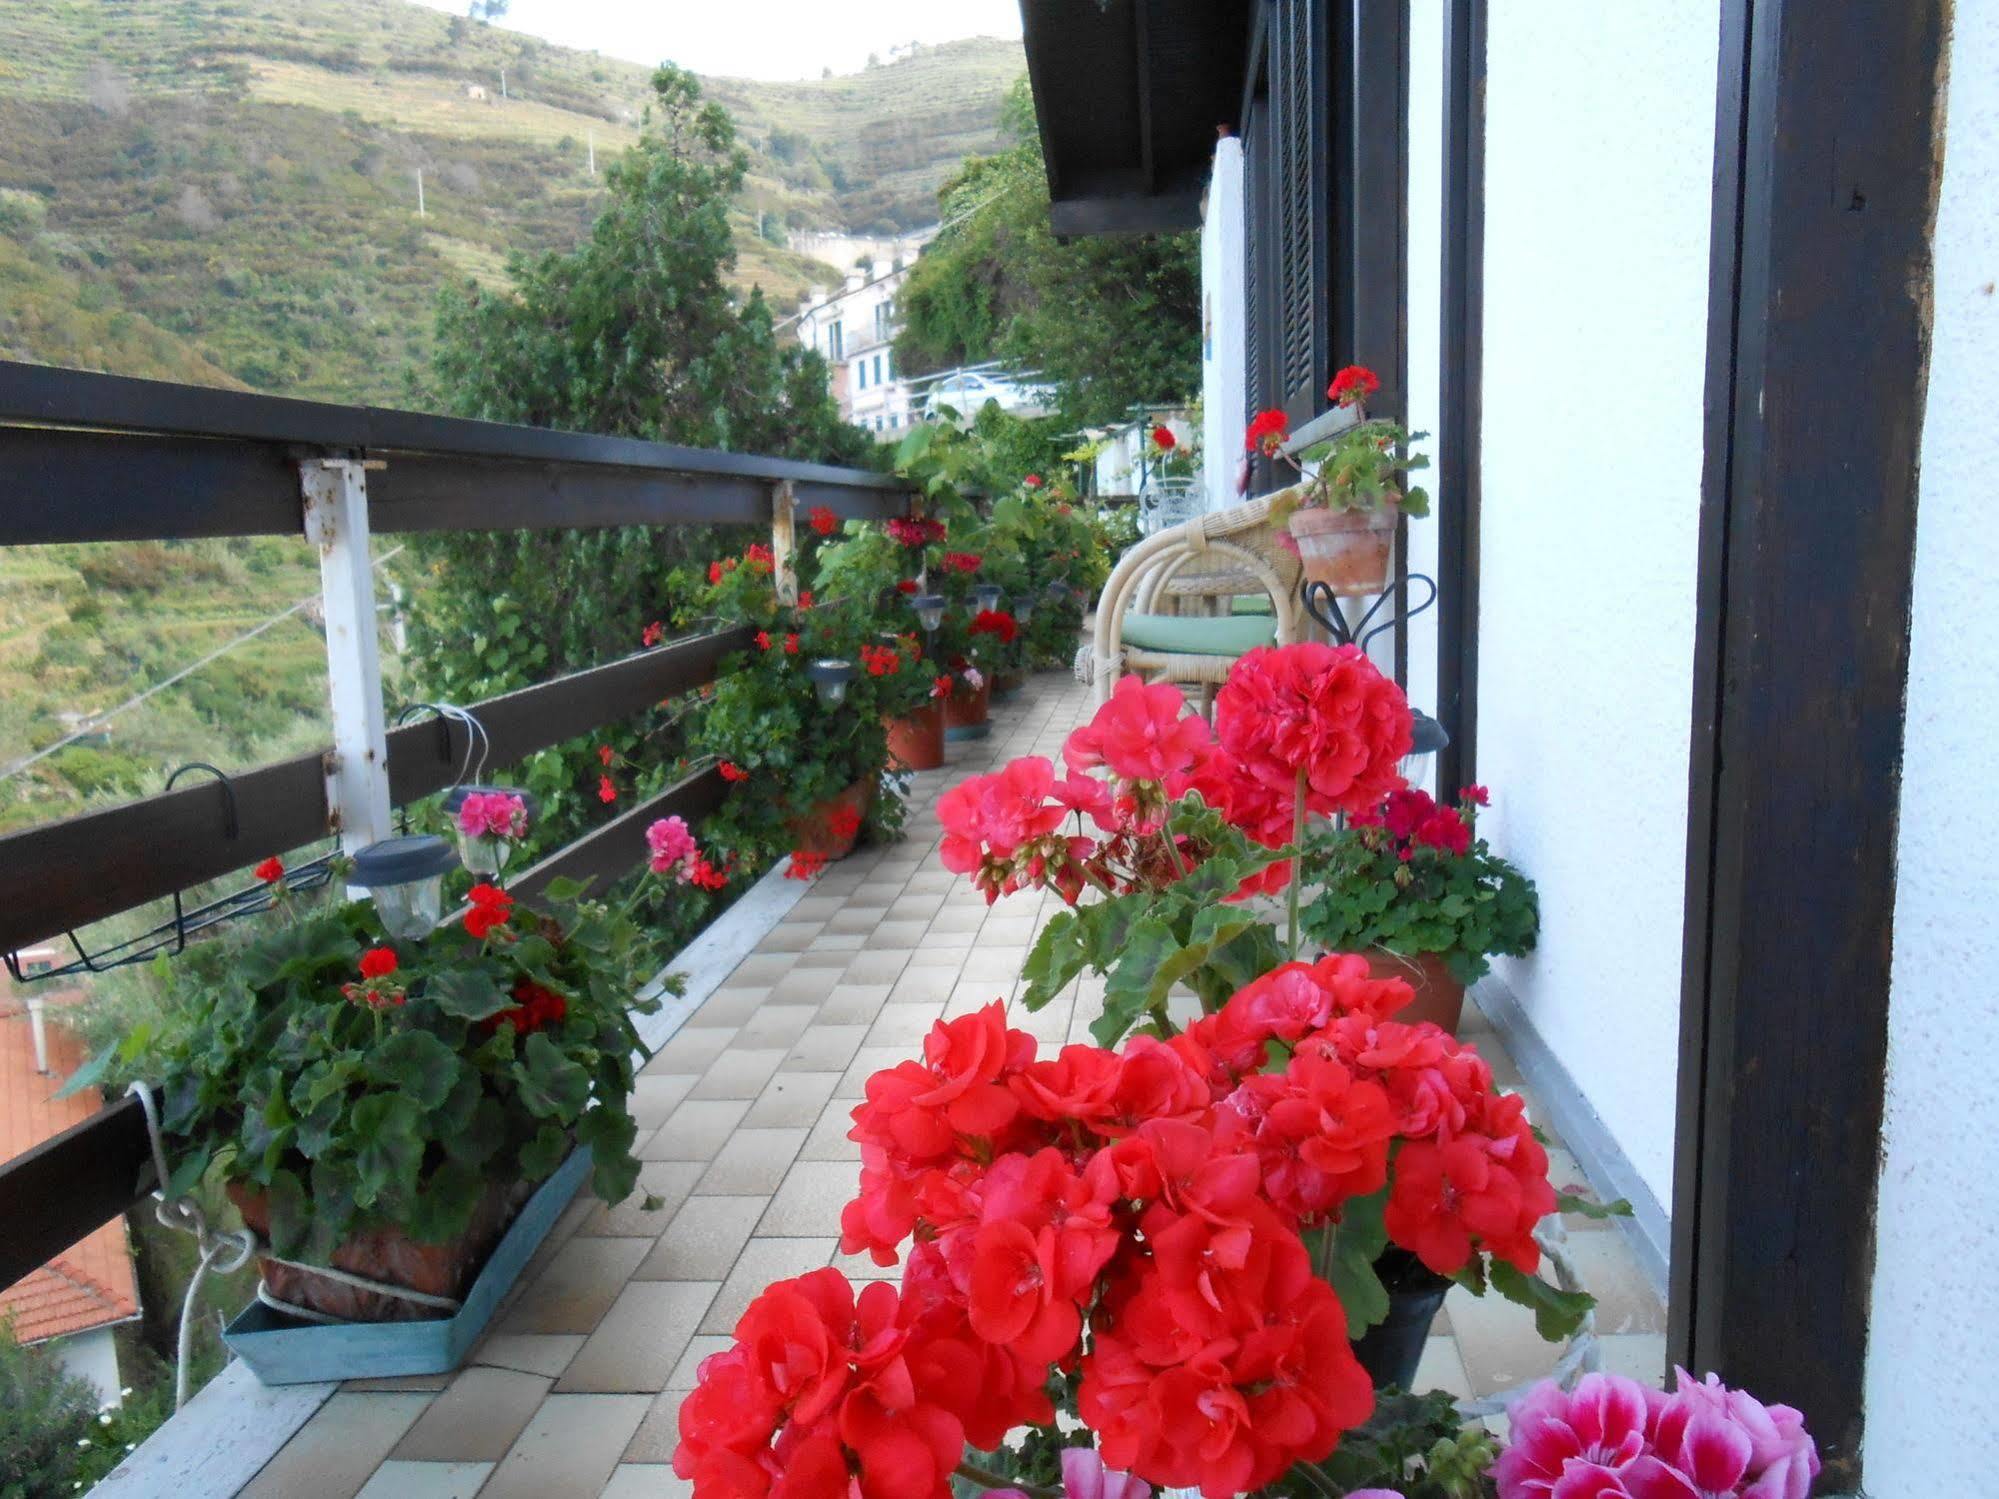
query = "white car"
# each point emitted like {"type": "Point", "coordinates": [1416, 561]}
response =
{"type": "Point", "coordinates": [967, 391]}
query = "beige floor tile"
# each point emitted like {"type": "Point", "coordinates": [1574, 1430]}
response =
{"type": "Point", "coordinates": [762, 1262]}
{"type": "Point", "coordinates": [546, 1353]}
{"type": "Point", "coordinates": [872, 967]}
{"type": "Point", "coordinates": [659, 1432]}
{"type": "Point", "coordinates": [580, 1283]}
{"type": "Point", "coordinates": [776, 1025]}
{"type": "Point", "coordinates": [795, 1098]}
{"type": "Point", "coordinates": [335, 1452]}
{"type": "Point", "coordinates": [1000, 962]}
{"type": "Point", "coordinates": [930, 984]}
{"type": "Point", "coordinates": [936, 954]}
{"type": "Point", "coordinates": [867, 1062]}
{"type": "Point", "coordinates": [1004, 929]}
{"type": "Point", "coordinates": [691, 1050]}
{"type": "Point", "coordinates": [815, 907]}
{"type": "Point", "coordinates": [739, 1072]}
{"type": "Point", "coordinates": [1625, 1301]}
{"type": "Point", "coordinates": [975, 994]}
{"type": "Point", "coordinates": [853, 1004]}
{"type": "Point", "coordinates": [825, 1047]}
{"type": "Point", "coordinates": [695, 1130]}
{"type": "Point", "coordinates": [640, 1338]}
{"type": "Point", "coordinates": [1497, 1342]}
{"type": "Point", "coordinates": [570, 1448]}
{"type": "Point", "coordinates": [760, 970]}
{"type": "Point", "coordinates": [1636, 1355]}
{"type": "Point", "coordinates": [477, 1419]}
{"type": "Point", "coordinates": [932, 881]}
{"type": "Point", "coordinates": [810, 1200]}
{"type": "Point", "coordinates": [654, 1098]}
{"type": "Point", "coordinates": [400, 1480]}
{"type": "Point", "coordinates": [729, 1006]}
{"type": "Point", "coordinates": [667, 1181]}
{"type": "Point", "coordinates": [851, 919]}
{"type": "Point", "coordinates": [901, 936]}
{"type": "Point", "coordinates": [915, 905]}
{"type": "Point", "coordinates": [704, 1239]}
{"type": "Point", "coordinates": [646, 1481]}
{"type": "Point", "coordinates": [1442, 1369]}
{"type": "Point", "coordinates": [958, 917]}
{"type": "Point", "coordinates": [828, 1140]}
{"type": "Point", "coordinates": [753, 1162]}
{"type": "Point", "coordinates": [1049, 1025]}
{"type": "Point", "coordinates": [811, 984]}
{"type": "Point", "coordinates": [904, 1025]}
{"type": "Point", "coordinates": [790, 936]}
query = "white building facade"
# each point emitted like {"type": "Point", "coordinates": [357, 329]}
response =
{"type": "Point", "coordinates": [854, 330]}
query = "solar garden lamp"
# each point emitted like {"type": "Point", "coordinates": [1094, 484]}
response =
{"type": "Point", "coordinates": [404, 877]}
{"type": "Point", "coordinates": [830, 677]}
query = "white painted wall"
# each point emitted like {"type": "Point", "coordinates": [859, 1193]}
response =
{"type": "Point", "coordinates": [1935, 1317]}
{"type": "Point", "coordinates": [93, 1358]}
{"type": "Point", "coordinates": [1224, 327]}
{"type": "Point", "coordinates": [1600, 140]}
{"type": "Point", "coordinates": [1426, 250]}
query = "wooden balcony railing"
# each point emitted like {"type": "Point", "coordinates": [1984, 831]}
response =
{"type": "Point", "coordinates": [91, 458]}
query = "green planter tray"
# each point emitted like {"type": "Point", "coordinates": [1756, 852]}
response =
{"type": "Point", "coordinates": [283, 1350]}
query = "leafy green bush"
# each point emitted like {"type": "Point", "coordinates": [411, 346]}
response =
{"type": "Point", "coordinates": [46, 1422]}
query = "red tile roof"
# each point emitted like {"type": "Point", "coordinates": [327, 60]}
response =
{"type": "Point", "coordinates": [91, 1283]}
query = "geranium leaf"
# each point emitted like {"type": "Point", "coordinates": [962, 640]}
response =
{"type": "Point", "coordinates": [552, 1086]}
{"type": "Point", "coordinates": [388, 1148]}
{"type": "Point", "coordinates": [544, 1152]}
{"type": "Point", "coordinates": [1055, 959]}
{"type": "Point", "coordinates": [1557, 1313]}
{"type": "Point", "coordinates": [445, 1203]}
{"type": "Point", "coordinates": [1128, 990]}
{"type": "Point", "coordinates": [468, 993]}
{"type": "Point", "coordinates": [1358, 1241]}
{"type": "Point", "coordinates": [1568, 1202]}
{"type": "Point", "coordinates": [418, 1064]}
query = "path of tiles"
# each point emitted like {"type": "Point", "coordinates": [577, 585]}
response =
{"type": "Point", "coordinates": [743, 1122]}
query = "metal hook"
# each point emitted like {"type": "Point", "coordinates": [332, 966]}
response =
{"type": "Point", "coordinates": [229, 823]}
{"type": "Point", "coordinates": [1323, 605]}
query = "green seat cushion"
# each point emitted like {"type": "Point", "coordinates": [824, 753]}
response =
{"type": "Point", "coordinates": [1252, 603]}
{"type": "Point", "coordinates": [1195, 636]}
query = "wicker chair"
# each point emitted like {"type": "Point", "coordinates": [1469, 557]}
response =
{"type": "Point", "coordinates": [1188, 571]}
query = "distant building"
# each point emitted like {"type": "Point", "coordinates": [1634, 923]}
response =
{"type": "Point", "coordinates": [854, 329]}
{"type": "Point", "coordinates": [74, 1301]}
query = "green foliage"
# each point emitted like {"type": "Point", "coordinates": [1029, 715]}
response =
{"type": "Point", "coordinates": [1377, 890]}
{"type": "Point", "coordinates": [47, 1421]}
{"type": "Point", "coordinates": [353, 1107]}
{"type": "Point", "coordinates": [1365, 467]}
{"type": "Point", "coordinates": [1417, 1445]}
{"type": "Point", "coordinates": [1112, 321]}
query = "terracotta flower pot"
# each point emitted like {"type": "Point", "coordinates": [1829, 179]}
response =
{"type": "Point", "coordinates": [388, 1255]}
{"type": "Point", "coordinates": [1439, 999]}
{"type": "Point", "coordinates": [1008, 682]}
{"type": "Point", "coordinates": [1347, 550]}
{"type": "Point", "coordinates": [916, 740]}
{"type": "Point", "coordinates": [830, 828]}
{"type": "Point", "coordinates": [964, 709]}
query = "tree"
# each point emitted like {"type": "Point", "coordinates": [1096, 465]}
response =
{"type": "Point", "coordinates": [634, 333]}
{"type": "Point", "coordinates": [1111, 321]}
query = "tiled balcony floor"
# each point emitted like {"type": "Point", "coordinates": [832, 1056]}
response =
{"type": "Point", "coordinates": [575, 1391]}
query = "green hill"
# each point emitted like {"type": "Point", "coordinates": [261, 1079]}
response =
{"type": "Point", "coordinates": [226, 190]}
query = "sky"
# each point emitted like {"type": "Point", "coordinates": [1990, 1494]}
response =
{"type": "Point", "coordinates": [774, 39]}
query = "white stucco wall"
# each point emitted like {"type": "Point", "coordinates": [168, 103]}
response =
{"type": "Point", "coordinates": [1224, 327]}
{"type": "Point", "coordinates": [93, 1358]}
{"type": "Point", "coordinates": [1600, 140]}
{"type": "Point", "coordinates": [1424, 314]}
{"type": "Point", "coordinates": [1935, 1319]}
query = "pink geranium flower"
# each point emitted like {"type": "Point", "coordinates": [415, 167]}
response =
{"type": "Point", "coordinates": [673, 847]}
{"type": "Point", "coordinates": [492, 814]}
{"type": "Point", "coordinates": [1144, 733]}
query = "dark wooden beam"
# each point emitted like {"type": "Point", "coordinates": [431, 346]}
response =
{"type": "Point", "coordinates": [619, 846]}
{"type": "Point", "coordinates": [70, 1185]}
{"type": "Point", "coordinates": [1460, 388]}
{"type": "Point", "coordinates": [1825, 186]}
{"type": "Point", "coordinates": [1160, 213]}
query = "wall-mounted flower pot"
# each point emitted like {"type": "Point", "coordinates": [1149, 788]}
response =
{"type": "Point", "coordinates": [283, 1350]}
{"type": "Point", "coordinates": [1347, 550]}
{"type": "Point", "coordinates": [831, 828]}
{"type": "Point", "coordinates": [1392, 1348]}
{"type": "Point", "coordinates": [1440, 998]}
{"type": "Point", "coordinates": [916, 741]}
{"type": "Point", "coordinates": [965, 712]}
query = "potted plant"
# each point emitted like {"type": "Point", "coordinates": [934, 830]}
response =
{"type": "Point", "coordinates": [798, 719]}
{"type": "Point", "coordinates": [1342, 513]}
{"type": "Point", "coordinates": [1411, 885]}
{"type": "Point", "coordinates": [885, 565]}
{"type": "Point", "coordinates": [382, 1105]}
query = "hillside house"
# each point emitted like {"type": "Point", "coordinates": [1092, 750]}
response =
{"type": "Point", "coordinates": [854, 330]}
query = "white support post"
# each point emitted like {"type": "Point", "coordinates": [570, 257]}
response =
{"type": "Point", "coordinates": [357, 772]}
{"type": "Point", "coordinates": [784, 540]}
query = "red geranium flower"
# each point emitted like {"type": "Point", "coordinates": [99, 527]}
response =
{"type": "Point", "coordinates": [824, 521]}
{"type": "Point", "coordinates": [843, 822]}
{"type": "Point", "coordinates": [941, 687]}
{"type": "Point", "coordinates": [271, 870]}
{"type": "Point", "coordinates": [763, 640]}
{"type": "Point", "coordinates": [805, 599]}
{"type": "Point", "coordinates": [604, 754]}
{"type": "Point", "coordinates": [907, 585]}
{"type": "Point", "coordinates": [1353, 385]}
{"type": "Point", "coordinates": [652, 634]}
{"type": "Point", "coordinates": [607, 791]}
{"type": "Point", "coordinates": [1144, 733]}
{"type": "Point", "coordinates": [995, 622]}
{"type": "Point", "coordinates": [715, 572]}
{"type": "Point", "coordinates": [378, 962]}
{"type": "Point", "coordinates": [963, 562]}
{"type": "Point", "coordinates": [759, 557]}
{"type": "Point", "coordinates": [791, 644]}
{"type": "Point", "coordinates": [705, 876]}
{"type": "Point", "coordinates": [1267, 432]}
{"type": "Point", "coordinates": [1318, 711]}
{"type": "Point", "coordinates": [1164, 440]}
{"type": "Point", "coordinates": [490, 908]}
{"type": "Point", "coordinates": [1032, 481]}
{"type": "Point", "coordinates": [1477, 795]}
{"type": "Point", "coordinates": [804, 866]}
{"type": "Point", "coordinates": [731, 771]}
